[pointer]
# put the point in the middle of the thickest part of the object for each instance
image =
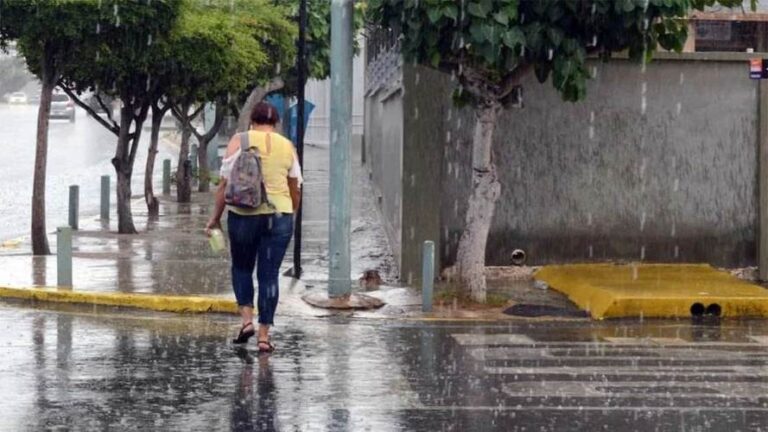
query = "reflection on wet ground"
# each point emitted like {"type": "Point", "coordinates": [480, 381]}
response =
{"type": "Point", "coordinates": [171, 255]}
{"type": "Point", "coordinates": [78, 369]}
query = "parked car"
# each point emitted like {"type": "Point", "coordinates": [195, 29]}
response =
{"type": "Point", "coordinates": [62, 106]}
{"type": "Point", "coordinates": [17, 98]}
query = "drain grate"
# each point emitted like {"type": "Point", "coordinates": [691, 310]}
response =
{"type": "Point", "coordinates": [534, 310]}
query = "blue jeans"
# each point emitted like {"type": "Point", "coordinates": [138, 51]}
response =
{"type": "Point", "coordinates": [264, 238]}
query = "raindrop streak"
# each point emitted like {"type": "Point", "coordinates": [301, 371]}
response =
{"type": "Point", "coordinates": [591, 251]}
{"type": "Point", "coordinates": [642, 253]}
{"type": "Point", "coordinates": [677, 251]}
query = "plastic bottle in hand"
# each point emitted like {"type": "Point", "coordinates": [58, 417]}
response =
{"type": "Point", "coordinates": [217, 240]}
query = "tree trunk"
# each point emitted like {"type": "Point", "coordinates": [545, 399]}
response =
{"type": "Point", "coordinates": [257, 94]}
{"type": "Point", "coordinates": [39, 234]}
{"type": "Point", "coordinates": [204, 171]}
{"type": "Point", "coordinates": [124, 169]}
{"type": "Point", "coordinates": [153, 206]}
{"type": "Point", "coordinates": [184, 167]}
{"type": "Point", "coordinates": [482, 203]}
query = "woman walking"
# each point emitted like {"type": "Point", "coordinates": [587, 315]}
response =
{"type": "Point", "coordinates": [259, 236]}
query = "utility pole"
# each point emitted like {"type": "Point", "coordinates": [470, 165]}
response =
{"type": "Point", "coordinates": [301, 66]}
{"type": "Point", "coordinates": [339, 283]}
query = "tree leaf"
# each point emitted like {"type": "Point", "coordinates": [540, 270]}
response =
{"type": "Point", "coordinates": [434, 14]}
{"type": "Point", "coordinates": [451, 11]}
{"type": "Point", "coordinates": [477, 10]}
{"type": "Point", "coordinates": [501, 18]}
{"type": "Point", "coordinates": [513, 37]}
{"type": "Point", "coordinates": [435, 58]}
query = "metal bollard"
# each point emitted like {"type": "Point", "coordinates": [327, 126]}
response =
{"type": "Point", "coordinates": [193, 159]}
{"type": "Point", "coordinates": [105, 197]}
{"type": "Point", "coordinates": [74, 207]}
{"type": "Point", "coordinates": [64, 256]}
{"type": "Point", "coordinates": [427, 276]}
{"type": "Point", "coordinates": [166, 177]}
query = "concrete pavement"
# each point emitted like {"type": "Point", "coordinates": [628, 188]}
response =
{"type": "Point", "coordinates": [169, 265]}
{"type": "Point", "coordinates": [75, 368]}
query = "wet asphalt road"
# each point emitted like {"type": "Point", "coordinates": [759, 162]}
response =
{"type": "Point", "coordinates": [79, 153]}
{"type": "Point", "coordinates": [101, 369]}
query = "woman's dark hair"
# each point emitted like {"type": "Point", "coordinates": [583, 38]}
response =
{"type": "Point", "coordinates": [264, 114]}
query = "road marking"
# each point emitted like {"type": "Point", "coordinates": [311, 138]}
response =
{"type": "Point", "coordinates": [650, 371]}
{"type": "Point", "coordinates": [469, 339]}
{"type": "Point", "coordinates": [634, 389]}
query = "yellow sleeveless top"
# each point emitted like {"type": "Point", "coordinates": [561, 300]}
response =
{"type": "Point", "coordinates": [277, 158]}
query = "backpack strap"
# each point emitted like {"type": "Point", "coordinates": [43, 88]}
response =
{"type": "Point", "coordinates": [244, 144]}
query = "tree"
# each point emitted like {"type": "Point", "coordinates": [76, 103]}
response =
{"type": "Point", "coordinates": [490, 45]}
{"type": "Point", "coordinates": [46, 34]}
{"type": "Point", "coordinates": [217, 50]}
{"type": "Point", "coordinates": [117, 60]}
{"type": "Point", "coordinates": [285, 74]}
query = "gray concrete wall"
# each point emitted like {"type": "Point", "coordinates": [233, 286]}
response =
{"type": "Point", "coordinates": [655, 165]}
{"type": "Point", "coordinates": [384, 157]}
{"type": "Point", "coordinates": [423, 143]}
{"type": "Point", "coordinates": [658, 165]}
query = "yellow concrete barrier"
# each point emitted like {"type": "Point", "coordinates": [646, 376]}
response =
{"type": "Point", "coordinates": [656, 290]}
{"type": "Point", "coordinates": [180, 304]}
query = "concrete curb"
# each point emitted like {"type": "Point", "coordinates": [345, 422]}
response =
{"type": "Point", "coordinates": [160, 303]}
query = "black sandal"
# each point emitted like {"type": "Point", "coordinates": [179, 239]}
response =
{"type": "Point", "coordinates": [270, 348]}
{"type": "Point", "coordinates": [243, 336]}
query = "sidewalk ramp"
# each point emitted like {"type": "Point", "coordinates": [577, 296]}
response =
{"type": "Point", "coordinates": [656, 290]}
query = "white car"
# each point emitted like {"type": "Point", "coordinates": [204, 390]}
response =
{"type": "Point", "coordinates": [17, 98]}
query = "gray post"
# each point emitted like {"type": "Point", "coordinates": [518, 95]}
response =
{"type": "Point", "coordinates": [427, 276]}
{"type": "Point", "coordinates": [166, 177]}
{"type": "Point", "coordinates": [74, 207]}
{"type": "Point", "coordinates": [105, 197]}
{"type": "Point", "coordinates": [762, 252]}
{"type": "Point", "coordinates": [341, 161]}
{"type": "Point", "coordinates": [64, 256]}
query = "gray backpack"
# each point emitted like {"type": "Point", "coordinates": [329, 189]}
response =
{"type": "Point", "coordinates": [245, 187]}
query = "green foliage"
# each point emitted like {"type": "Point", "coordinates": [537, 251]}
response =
{"type": "Point", "coordinates": [489, 44]}
{"type": "Point", "coordinates": [218, 48]}
{"type": "Point", "coordinates": [318, 40]}
{"type": "Point", "coordinates": [46, 31]}
{"type": "Point", "coordinates": [117, 55]}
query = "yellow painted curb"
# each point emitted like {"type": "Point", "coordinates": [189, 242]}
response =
{"type": "Point", "coordinates": [654, 290]}
{"type": "Point", "coordinates": [180, 304]}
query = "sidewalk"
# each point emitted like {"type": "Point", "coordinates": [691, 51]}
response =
{"type": "Point", "coordinates": [171, 261]}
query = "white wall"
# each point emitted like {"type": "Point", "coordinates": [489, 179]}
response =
{"type": "Point", "coordinates": [319, 93]}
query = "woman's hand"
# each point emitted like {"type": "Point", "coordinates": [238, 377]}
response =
{"type": "Point", "coordinates": [212, 224]}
